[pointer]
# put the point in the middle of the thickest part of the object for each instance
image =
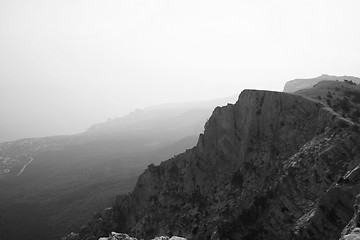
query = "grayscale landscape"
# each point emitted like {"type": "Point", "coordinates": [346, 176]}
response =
{"type": "Point", "coordinates": [179, 120]}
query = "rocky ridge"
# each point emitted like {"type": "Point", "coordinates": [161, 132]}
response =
{"type": "Point", "coordinates": [123, 236]}
{"type": "Point", "coordinates": [299, 84]}
{"type": "Point", "coordinates": [271, 166]}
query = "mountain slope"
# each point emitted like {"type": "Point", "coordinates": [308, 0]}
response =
{"type": "Point", "coordinates": [69, 178]}
{"type": "Point", "coordinates": [271, 166]}
{"type": "Point", "coordinates": [298, 84]}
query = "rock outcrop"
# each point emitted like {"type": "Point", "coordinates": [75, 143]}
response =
{"type": "Point", "coordinates": [299, 84]}
{"type": "Point", "coordinates": [272, 166]}
{"type": "Point", "coordinates": [117, 236]}
{"type": "Point", "coordinates": [123, 236]}
{"type": "Point", "coordinates": [352, 230]}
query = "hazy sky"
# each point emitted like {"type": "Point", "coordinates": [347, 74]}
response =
{"type": "Point", "coordinates": [66, 64]}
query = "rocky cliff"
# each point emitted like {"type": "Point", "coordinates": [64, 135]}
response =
{"type": "Point", "coordinates": [271, 166]}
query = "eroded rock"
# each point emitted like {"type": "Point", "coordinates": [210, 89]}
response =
{"type": "Point", "coordinates": [271, 166]}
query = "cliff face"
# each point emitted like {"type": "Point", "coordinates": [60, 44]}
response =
{"type": "Point", "coordinates": [272, 166]}
{"type": "Point", "coordinates": [352, 230]}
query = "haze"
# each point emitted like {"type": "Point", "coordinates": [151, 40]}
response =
{"type": "Point", "coordinates": [65, 65]}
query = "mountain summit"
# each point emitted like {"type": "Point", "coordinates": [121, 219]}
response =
{"type": "Point", "coordinates": [298, 84]}
{"type": "Point", "coordinates": [271, 166]}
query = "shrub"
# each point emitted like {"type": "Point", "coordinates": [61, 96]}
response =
{"type": "Point", "coordinates": [328, 102]}
{"type": "Point", "coordinates": [344, 105]}
{"type": "Point", "coordinates": [355, 96]}
{"type": "Point", "coordinates": [349, 82]}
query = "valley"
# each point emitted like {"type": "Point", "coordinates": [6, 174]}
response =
{"type": "Point", "coordinates": [54, 184]}
{"type": "Point", "coordinates": [267, 166]}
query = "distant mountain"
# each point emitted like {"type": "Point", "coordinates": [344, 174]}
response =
{"type": "Point", "coordinates": [50, 186]}
{"type": "Point", "coordinates": [184, 116]}
{"type": "Point", "coordinates": [273, 165]}
{"type": "Point", "coordinates": [298, 84]}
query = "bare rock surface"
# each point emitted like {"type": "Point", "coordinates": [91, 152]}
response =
{"type": "Point", "coordinates": [122, 236]}
{"type": "Point", "coordinates": [352, 229]}
{"type": "Point", "coordinates": [117, 236]}
{"type": "Point", "coordinates": [272, 166]}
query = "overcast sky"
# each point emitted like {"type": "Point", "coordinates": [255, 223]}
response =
{"type": "Point", "coordinates": [66, 64]}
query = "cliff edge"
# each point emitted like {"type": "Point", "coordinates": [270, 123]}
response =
{"type": "Point", "coordinates": [271, 166]}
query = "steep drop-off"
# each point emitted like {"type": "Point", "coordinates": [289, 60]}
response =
{"type": "Point", "coordinates": [53, 185]}
{"type": "Point", "coordinates": [272, 166]}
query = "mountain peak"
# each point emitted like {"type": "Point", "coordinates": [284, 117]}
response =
{"type": "Point", "coordinates": [299, 84]}
{"type": "Point", "coordinates": [265, 167]}
{"type": "Point", "coordinates": [325, 76]}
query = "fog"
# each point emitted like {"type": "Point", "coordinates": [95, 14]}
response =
{"type": "Point", "coordinates": [67, 64]}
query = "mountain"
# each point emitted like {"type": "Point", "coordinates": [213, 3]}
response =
{"type": "Point", "coordinates": [298, 84]}
{"type": "Point", "coordinates": [162, 117]}
{"type": "Point", "coordinates": [51, 186]}
{"type": "Point", "coordinates": [271, 166]}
